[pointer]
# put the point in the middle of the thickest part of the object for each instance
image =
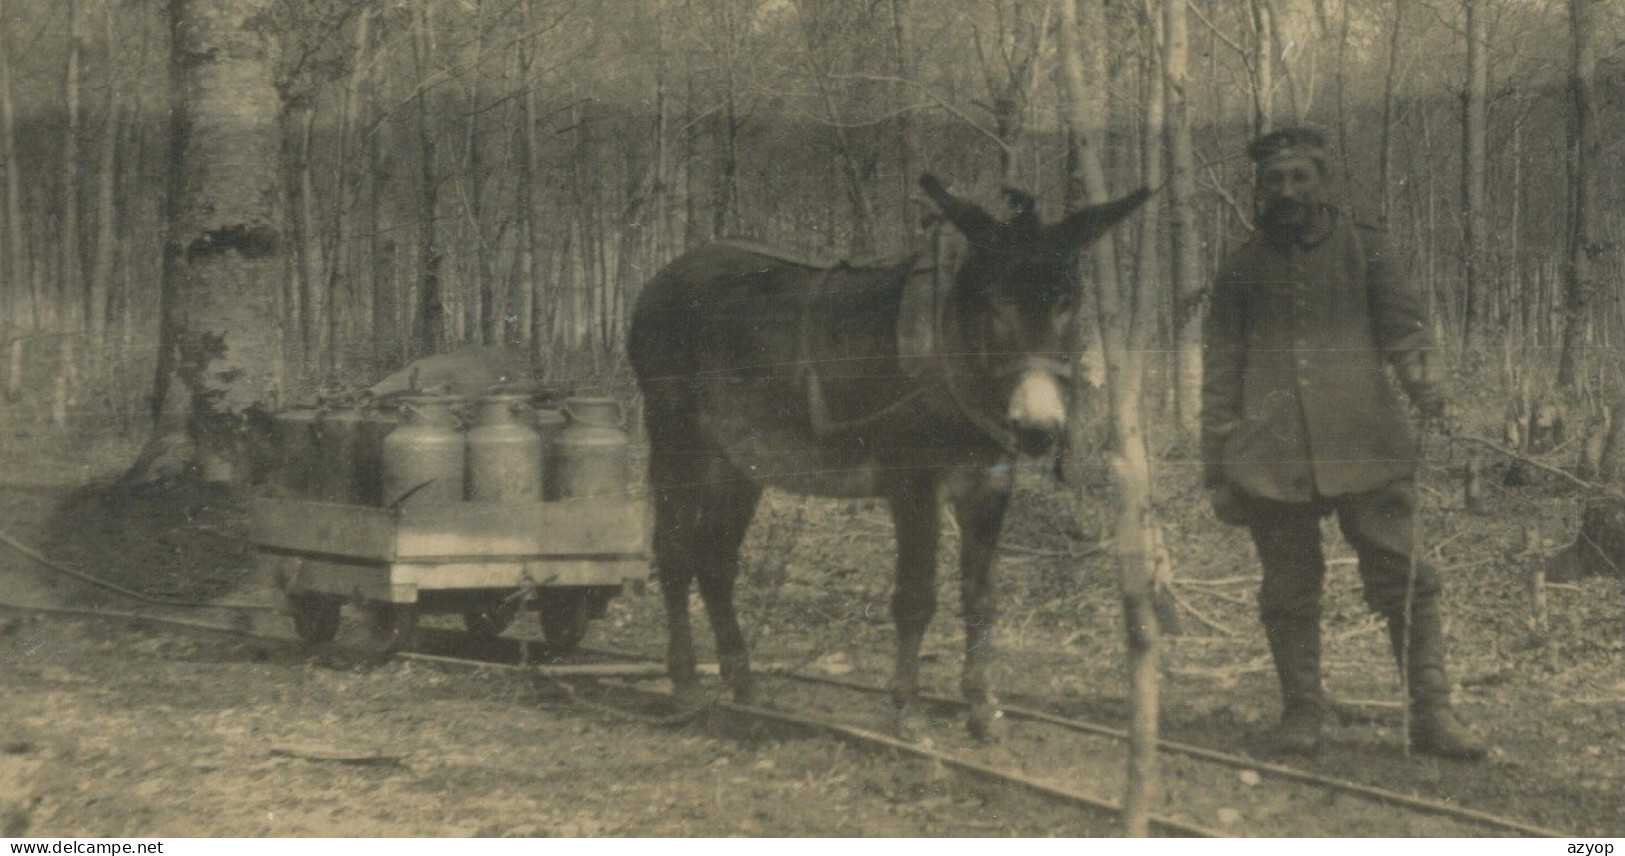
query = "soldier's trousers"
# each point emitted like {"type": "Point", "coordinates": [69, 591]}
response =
{"type": "Point", "coordinates": [1377, 523]}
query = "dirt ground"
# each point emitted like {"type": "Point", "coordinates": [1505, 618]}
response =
{"type": "Point", "coordinates": [113, 730]}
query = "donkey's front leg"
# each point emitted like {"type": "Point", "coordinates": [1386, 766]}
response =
{"type": "Point", "coordinates": [980, 514]}
{"type": "Point", "coordinates": [914, 598]}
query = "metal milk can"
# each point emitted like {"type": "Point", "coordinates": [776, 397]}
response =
{"type": "Point", "coordinates": [337, 431]}
{"type": "Point", "coordinates": [376, 424]}
{"type": "Point", "coordinates": [294, 436]}
{"type": "Point", "coordinates": [590, 456]}
{"type": "Point", "coordinates": [423, 458]}
{"type": "Point", "coordinates": [549, 422]}
{"type": "Point", "coordinates": [504, 453]}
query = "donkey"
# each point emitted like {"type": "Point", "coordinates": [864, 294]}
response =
{"type": "Point", "coordinates": [759, 370]}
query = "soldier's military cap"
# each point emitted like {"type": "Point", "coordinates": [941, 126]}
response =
{"type": "Point", "coordinates": [1292, 141]}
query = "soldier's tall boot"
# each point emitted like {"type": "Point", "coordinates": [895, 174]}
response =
{"type": "Point", "coordinates": [1434, 728]}
{"type": "Point", "coordinates": [1295, 644]}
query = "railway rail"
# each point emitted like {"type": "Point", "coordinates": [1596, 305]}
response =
{"type": "Point", "coordinates": [616, 675]}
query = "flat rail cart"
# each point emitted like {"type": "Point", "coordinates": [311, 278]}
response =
{"type": "Point", "coordinates": [339, 528]}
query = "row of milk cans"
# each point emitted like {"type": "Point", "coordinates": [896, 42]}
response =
{"type": "Point", "coordinates": [437, 449]}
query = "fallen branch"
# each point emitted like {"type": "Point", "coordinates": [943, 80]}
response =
{"type": "Point", "coordinates": [1526, 554]}
{"type": "Point", "coordinates": [334, 755]}
{"type": "Point", "coordinates": [1210, 623]}
{"type": "Point", "coordinates": [1024, 550]}
{"type": "Point", "coordinates": [1222, 581]}
{"type": "Point", "coordinates": [1605, 490]}
{"type": "Point", "coordinates": [1224, 596]}
{"type": "Point", "coordinates": [1368, 626]}
{"type": "Point", "coordinates": [1225, 673]}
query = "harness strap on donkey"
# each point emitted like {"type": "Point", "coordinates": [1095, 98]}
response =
{"type": "Point", "coordinates": [936, 368]}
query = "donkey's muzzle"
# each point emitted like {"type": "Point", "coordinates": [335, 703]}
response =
{"type": "Point", "coordinates": [1037, 414]}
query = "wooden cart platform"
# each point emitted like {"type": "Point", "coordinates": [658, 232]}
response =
{"type": "Point", "coordinates": [566, 558]}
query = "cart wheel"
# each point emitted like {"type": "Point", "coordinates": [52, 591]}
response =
{"type": "Point", "coordinates": [564, 615]}
{"type": "Point", "coordinates": [392, 626]}
{"type": "Point", "coordinates": [315, 616]}
{"type": "Point", "coordinates": [490, 623]}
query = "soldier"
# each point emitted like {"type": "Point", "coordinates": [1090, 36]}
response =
{"type": "Point", "coordinates": [1301, 420]}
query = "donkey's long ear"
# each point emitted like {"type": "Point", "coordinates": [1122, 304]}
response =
{"type": "Point", "coordinates": [1083, 227]}
{"type": "Point", "coordinates": [975, 224]}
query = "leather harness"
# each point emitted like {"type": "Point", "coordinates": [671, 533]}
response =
{"type": "Point", "coordinates": [938, 370]}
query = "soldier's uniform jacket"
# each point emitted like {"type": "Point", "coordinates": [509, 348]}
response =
{"type": "Point", "coordinates": [1297, 403]}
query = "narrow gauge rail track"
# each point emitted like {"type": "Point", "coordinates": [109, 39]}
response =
{"type": "Point", "coordinates": [514, 655]}
{"type": "Point", "coordinates": [617, 688]}
{"type": "Point", "coordinates": [1471, 818]}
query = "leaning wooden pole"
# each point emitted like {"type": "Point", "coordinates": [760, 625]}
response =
{"type": "Point", "coordinates": [1123, 317]}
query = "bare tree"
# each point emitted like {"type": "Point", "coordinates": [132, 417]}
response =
{"type": "Point", "coordinates": [72, 321]}
{"type": "Point", "coordinates": [1263, 32]}
{"type": "Point", "coordinates": [1189, 278]}
{"type": "Point", "coordinates": [1474, 214]}
{"type": "Point", "coordinates": [1124, 320]}
{"type": "Point", "coordinates": [1585, 150]}
{"type": "Point", "coordinates": [428, 332]}
{"type": "Point", "coordinates": [106, 251]}
{"type": "Point", "coordinates": [12, 297]}
{"type": "Point", "coordinates": [1385, 152]}
{"type": "Point", "coordinates": [224, 258]}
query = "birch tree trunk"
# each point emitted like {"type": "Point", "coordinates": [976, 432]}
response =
{"type": "Point", "coordinates": [905, 123]}
{"type": "Point", "coordinates": [1263, 67]}
{"type": "Point", "coordinates": [1474, 127]}
{"type": "Point", "coordinates": [1123, 318]}
{"type": "Point", "coordinates": [315, 305]}
{"type": "Point", "coordinates": [106, 252]}
{"type": "Point", "coordinates": [1385, 155]}
{"type": "Point", "coordinates": [428, 331]}
{"type": "Point", "coordinates": [224, 247]}
{"type": "Point", "coordinates": [342, 267]}
{"type": "Point", "coordinates": [15, 266]}
{"type": "Point", "coordinates": [1189, 278]}
{"type": "Point", "coordinates": [1585, 151]}
{"type": "Point", "coordinates": [528, 310]}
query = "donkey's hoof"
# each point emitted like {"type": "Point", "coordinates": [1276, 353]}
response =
{"type": "Point", "coordinates": [986, 722]}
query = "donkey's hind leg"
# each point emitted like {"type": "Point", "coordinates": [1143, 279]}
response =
{"type": "Point", "coordinates": [730, 504]}
{"type": "Point", "coordinates": [676, 547]}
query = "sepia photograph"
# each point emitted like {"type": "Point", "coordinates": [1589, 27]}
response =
{"type": "Point", "coordinates": [606, 419]}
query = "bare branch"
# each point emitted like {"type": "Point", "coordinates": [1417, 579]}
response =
{"type": "Point", "coordinates": [1246, 56]}
{"type": "Point", "coordinates": [1218, 187]}
{"type": "Point", "coordinates": [944, 103]}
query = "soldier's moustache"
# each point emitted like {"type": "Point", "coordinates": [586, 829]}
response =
{"type": "Point", "coordinates": [1284, 214]}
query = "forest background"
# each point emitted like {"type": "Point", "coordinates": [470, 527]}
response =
{"type": "Point", "coordinates": [511, 171]}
